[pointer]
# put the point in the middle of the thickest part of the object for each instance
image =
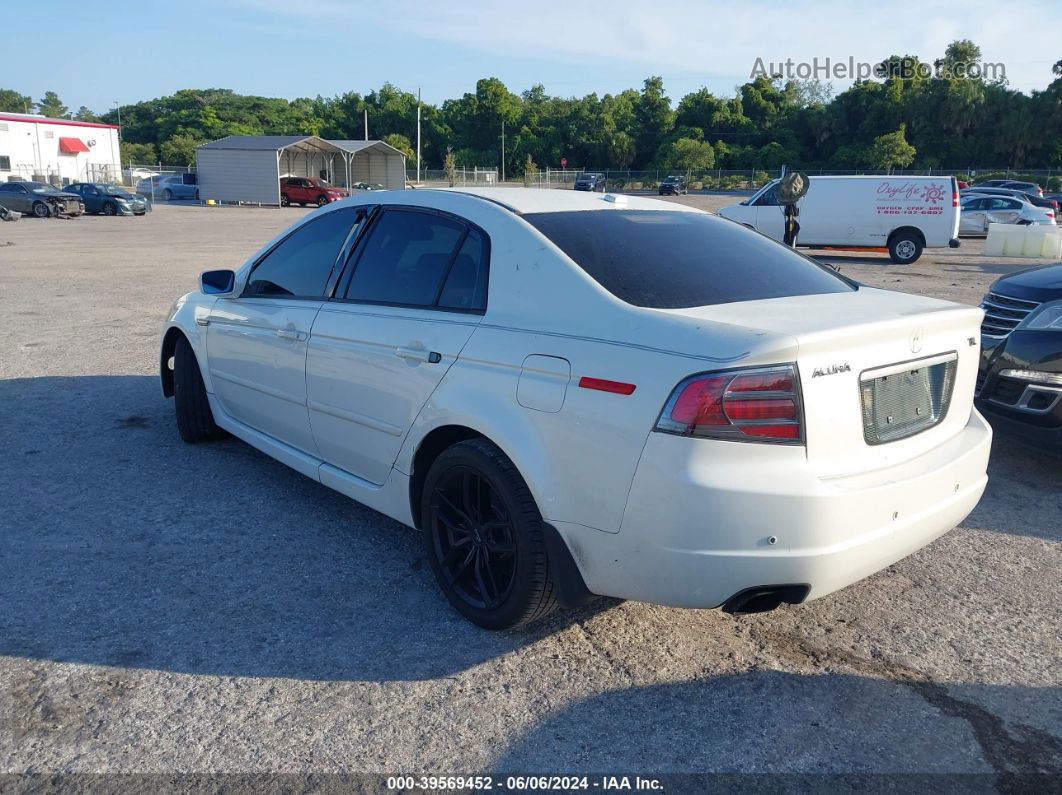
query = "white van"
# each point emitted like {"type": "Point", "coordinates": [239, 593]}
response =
{"type": "Point", "coordinates": [902, 214]}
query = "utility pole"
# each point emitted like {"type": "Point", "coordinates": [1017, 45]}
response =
{"type": "Point", "coordinates": [503, 150]}
{"type": "Point", "coordinates": [418, 135]}
{"type": "Point", "coordinates": [366, 124]}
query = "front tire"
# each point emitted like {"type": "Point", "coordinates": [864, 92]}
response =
{"type": "Point", "coordinates": [110, 209]}
{"type": "Point", "coordinates": [322, 200]}
{"type": "Point", "coordinates": [195, 420]}
{"type": "Point", "coordinates": [905, 248]}
{"type": "Point", "coordinates": [167, 195]}
{"type": "Point", "coordinates": [484, 537]}
{"type": "Point", "coordinates": [41, 210]}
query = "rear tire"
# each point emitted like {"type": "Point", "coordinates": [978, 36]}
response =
{"type": "Point", "coordinates": [195, 420]}
{"type": "Point", "coordinates": [284, 201]}
{"type": "Point", "coordinates": [474, 499]}
{"type": "Point", "coordinates": [905, 248]}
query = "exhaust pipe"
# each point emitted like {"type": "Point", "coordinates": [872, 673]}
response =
{"type": "Point", "coordinates": [764, 598]}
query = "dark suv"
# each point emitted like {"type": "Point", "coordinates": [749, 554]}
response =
{"type": "Point", "coordinates": [1019, 385]}
{"type": "Point", "coordinates": [673, 186]}
{"type": "Point", "coordinates": [590, 182]}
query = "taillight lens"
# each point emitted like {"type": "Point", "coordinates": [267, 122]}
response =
{"type": "Point", "coordinates": [753, 405]}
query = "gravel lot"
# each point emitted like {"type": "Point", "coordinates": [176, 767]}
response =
{"type": "Point", "coordinates": [170, 608]}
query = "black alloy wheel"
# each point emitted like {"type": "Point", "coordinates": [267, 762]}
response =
{"type": "Point", "coordinates": [473, 538]}
{"type": "Point", "coordinates": [485, 538]}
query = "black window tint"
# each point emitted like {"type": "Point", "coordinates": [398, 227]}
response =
{"type": "Point", "coordinates": [769, 198]}
{"type": "Point", "coordinates": [405, 258]}
{"type": "Point", "coordinates": [466, 286]}
{"type": "Point", "coordinates": [671, 260]}
{"type": "Point", "coordinates": [301, 264]}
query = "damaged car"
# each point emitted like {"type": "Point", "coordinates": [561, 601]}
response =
{"type": "Point", "coordinates": [40, 200]}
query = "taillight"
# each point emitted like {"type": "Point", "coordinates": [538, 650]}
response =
{"type": "Point", "coordinates": [954, 198]}
{"type": "Point", "coordinates": [752, 405]}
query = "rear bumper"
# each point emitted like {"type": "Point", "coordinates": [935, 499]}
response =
{"type": "Point", "coordinates": [706, 520]}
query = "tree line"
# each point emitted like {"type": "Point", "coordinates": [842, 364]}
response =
{"type": "Point", "coordinates": [901, 117]}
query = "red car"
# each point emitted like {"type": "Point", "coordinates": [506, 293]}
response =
{"type": "Point", "coordinates": [309, 190]}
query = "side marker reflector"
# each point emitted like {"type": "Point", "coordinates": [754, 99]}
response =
{"type": "Point", "coordinates": [616, 387]}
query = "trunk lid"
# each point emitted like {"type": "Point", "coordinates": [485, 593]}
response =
{"type": "Point", "coordinates": [845, 341]}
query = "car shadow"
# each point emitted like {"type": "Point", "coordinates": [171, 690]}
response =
{"type": "Point", "coordinates": [768, 721]}
{"type": "Point", "coordinates": [124, 546]}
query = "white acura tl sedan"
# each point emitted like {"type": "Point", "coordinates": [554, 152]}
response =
{"type": "Point", "coordinates": [572, 394]}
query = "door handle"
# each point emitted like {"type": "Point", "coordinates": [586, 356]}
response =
{"type": "Point", "coordinates": [290, 334]}
{"type": "Point", "coordinates": [418, 355]}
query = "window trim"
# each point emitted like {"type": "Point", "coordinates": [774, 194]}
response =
{"type": "Point", "coordinates": [352, 234]}
{"type": "Point", "coordinates": [351, 265]}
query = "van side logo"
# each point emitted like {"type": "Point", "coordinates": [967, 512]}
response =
{"type": "Point", "coordinates": [833, 369]}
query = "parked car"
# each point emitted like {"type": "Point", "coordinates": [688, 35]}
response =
{"type": "Point", "coordinates": [562, 412]}
{"type": "Point", "coordinates": [309, 190]}
{"type": "Point", "coordinates": [1031, 198]}
{"type": "Point", "coordinates": [673, 186]}
{"type": "Point", "coordinates": [1020, 378]}
{"type": "Point", "coordinates": [590, 182]}
{"type": "Point", "coordinates": [367, 186]}
{"type": "Point", "coordinates": [903, 214]}
{"type": "Point", "coordinates": [978, 212]}
{"type": "Point", "coordinates": [109, 199]}
{"type": "Point", "coordinates": [168, 187]}
{"type": "Point", "coordinates": [39, 199]}
{"type": "Point", "coordinates": [1025, 187]}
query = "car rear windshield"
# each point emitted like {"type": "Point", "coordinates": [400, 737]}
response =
{"type": "Point", "coordinates": [674, 260]}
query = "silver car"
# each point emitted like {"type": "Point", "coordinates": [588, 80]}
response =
{"type": "Point", "coordinates": [979, 211]}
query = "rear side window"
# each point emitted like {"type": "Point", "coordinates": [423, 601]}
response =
{"type": "Point", "coordinates": [300, 265]}
{"type": "Point", "coordinates": [674, 260]}
{"type": "Point", "coordinates": [466, 285]}
{"type": "Point", "coordinates": [416, 258]}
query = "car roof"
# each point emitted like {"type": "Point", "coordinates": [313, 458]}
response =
{"type": "Point", "coordinates": [554, 200]}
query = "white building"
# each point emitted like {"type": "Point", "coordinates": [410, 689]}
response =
{"type": "Point", "coordinates": [57, 150]}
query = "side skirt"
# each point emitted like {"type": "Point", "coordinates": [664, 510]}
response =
{"type": "Point", "coordinates": [390, 499]}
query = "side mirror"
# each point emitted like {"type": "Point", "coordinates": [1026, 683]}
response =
{"type": "Point", "coordinates": [220, 282]}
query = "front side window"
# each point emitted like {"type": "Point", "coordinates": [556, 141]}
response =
{"type": "Point", "coordinates": [769, 197]}
{"type": "Point", "coordinates": [299, 266]}
{"type": "Point", "coordinates": [406, 259]}
{"type": "Point", "coordinates": [675, 260]}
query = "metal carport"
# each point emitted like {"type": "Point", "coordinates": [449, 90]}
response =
{"type": "Point", "coordinates": [248, 168]}
{"type": "Point", "coordinates": [374, 162]}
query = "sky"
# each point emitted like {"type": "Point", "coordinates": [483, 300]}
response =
{"type": "Point", "coordinates": [122, 52]}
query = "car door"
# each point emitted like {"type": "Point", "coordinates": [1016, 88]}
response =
{"type": "Point", "coordinates": [1003, 211]}
{"type": "Point", "coordinates": [770, 216]}
{"type": "Point", "coordinates": [408, 302]}
{"type": "Point", "coordinates": [18, 198]}
{"type": "Point", "coordinates": [972, 217]}
{"type": "Point", "coordinates": [256, 343]}
{"type": "Point", "coordinates": [8, 198]}
{"type": "Point", "coordinates": [90, 194]}
{"type": "Point", "coordinates": [299, 190]}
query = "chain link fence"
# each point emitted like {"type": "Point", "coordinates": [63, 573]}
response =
{"type": "Point", "coordinates": [718, 179]}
